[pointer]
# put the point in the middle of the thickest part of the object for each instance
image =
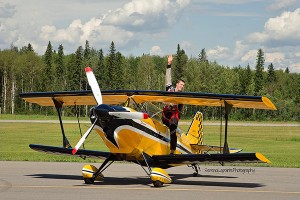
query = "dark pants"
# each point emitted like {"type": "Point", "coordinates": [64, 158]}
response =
{"type": "Point", "coordinates": [170, 119]}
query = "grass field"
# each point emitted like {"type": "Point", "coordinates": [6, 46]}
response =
{"type": "Point", "coordinates": [280, 144]}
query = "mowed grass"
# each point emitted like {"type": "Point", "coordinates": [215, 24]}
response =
{"type": "Point", "coordinates": [280, 144]}
{"type": "Point", "coordinates": [16, 137]}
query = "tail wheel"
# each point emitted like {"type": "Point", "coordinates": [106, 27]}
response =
{"type": "Point", "coordinates": [158, 183]}
{"type": "Point", "coordinates": [89, 180]}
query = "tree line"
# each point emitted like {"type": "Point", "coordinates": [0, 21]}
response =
{"type": "Point", "coordinates": [23, 70]}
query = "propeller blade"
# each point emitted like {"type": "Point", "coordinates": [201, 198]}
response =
{"type": "Point", "coordinates": [94, 85]}
{"type": "Point", "coordinates": [129, 115]}
{"type": "Point", "coordinates": [83, 138]}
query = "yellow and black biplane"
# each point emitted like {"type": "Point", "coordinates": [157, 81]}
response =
{"type": "Point", "coordinates": [134, 132]}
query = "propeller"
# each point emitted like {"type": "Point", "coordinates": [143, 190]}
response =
{"type": "Point", "coordinates": [94, 85]}
{"type": "Point", "coordinates": [83, 138]}
{"type": "Point", "coordinates": [98, 97]}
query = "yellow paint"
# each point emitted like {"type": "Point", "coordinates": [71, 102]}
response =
{"type": "Point", "coordinates": [119, 98]}
{"type": "Point", "coordinates": [158, 174]}
{"type": "Point", "coordinates": [262, 158]}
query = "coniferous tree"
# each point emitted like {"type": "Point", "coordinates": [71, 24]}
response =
{"type": "Point", "coordinates": [203, 56]}
{"type": "Point", "coordinates": [287, 70]}
{"type": "Point", "coordinates": [100, 70]}
{"type": "Point", "coordinates": [118, 71]}
{"type": "Point", "coordinates": [22, 70]}
{"type": "Point", "coordinates": [249, 80]}
{"type": "Point", "coordinates": [259, 79]}
{"type": "Point", "coordinates": [48, 75]}
{"type": "Point", "coordinates": [297, 92]}
{"type": "Point", "coordinates": [180, 62]}
{"type": "Point", "coordinates": [271, 74]}
{"type": "Point", "coordinates": [87, 54]}
{"type": "Point", "coordinates": [79, 67]}
{"type": "Point", "coordinates": [87, 50]}
{"type": "Point", "coordinates": [60, 68]}
{"type": "Point", "coordinates": [75, 70]}
{"type": "Point", "coordinates": [242, 79]}
{"type": "Point", "coordinates": [29, 47]}
{"type": "Point", "coordinates": [111, 64]}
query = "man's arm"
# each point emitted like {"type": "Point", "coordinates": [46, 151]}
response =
{"type": "Point", "coordinates": [168, 80]}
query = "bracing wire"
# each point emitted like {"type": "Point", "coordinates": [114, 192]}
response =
{"type": "Point", "coordinates": [77, 115]}
{"type": "Point", "coordinates": [221, 116]}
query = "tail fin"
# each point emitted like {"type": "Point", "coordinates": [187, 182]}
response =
{"type": "Point", "coordinates": [196, 128]}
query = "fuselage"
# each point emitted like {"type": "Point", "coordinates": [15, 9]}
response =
{"type": "Point", "coordinates": [131, 137]}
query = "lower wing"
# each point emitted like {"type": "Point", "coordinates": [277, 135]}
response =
{"type": "Point", "coordinates": [200, 158]}
{"type": "Point", "coordinates": [68, 151]}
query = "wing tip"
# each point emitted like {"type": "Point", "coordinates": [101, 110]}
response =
{"type": "Point", "coordinates": [269, 103]}
{"type": "Point", "coordinates": [262, 158]}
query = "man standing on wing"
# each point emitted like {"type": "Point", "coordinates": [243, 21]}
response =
{"type": "Point", "coordinates": [171, 113]}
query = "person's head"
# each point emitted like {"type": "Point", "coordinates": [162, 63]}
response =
{"type": "Point", "coordinates": [179, 85]}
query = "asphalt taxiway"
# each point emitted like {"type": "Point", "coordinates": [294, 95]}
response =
{"type": "Point", "coordinates": [58, 180]}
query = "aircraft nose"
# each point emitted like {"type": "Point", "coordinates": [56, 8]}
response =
{"type": "Point", "coordinates": [100, 112]}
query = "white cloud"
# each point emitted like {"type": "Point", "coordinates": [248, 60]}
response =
{"type": "Point", "coordinates": [239, 49]}
{"type": "Point", "coordinates": [7, 10]}
{"type": "Point", "coordinates": [280, 4]}
{"type": "Point", "coordinates": [155, 50]}
{"type": "Point", "coordinates": [217, 52]}
{"type": "Point", "coordinates": [250, 56]}
{"type": "Point", "coordinates": [295, 66]}
{"type": "Point", "coordinates": [183, 3]}
{"type": "Point", "coordinates": [186, 45]}
{"type": "Point", "coordinates": [274, 57]}
{"type": "Point", "coordinates": [279, 30]}
{"type": "Point", "coordinates": [123, 25]}
{"type": "Point", "coordinates": [144, 15]}
{"type": "Point", "coordinates": [70, 34]}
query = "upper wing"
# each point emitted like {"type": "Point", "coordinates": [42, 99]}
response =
{"type": "Point", "coordinates": [141, 96]}
{"type": "Point", "coordinates": [199, 158]}
{"type": "Point", "coordinates": [68, 151]}
{"type": "Point", "coordinates": [69, 98]}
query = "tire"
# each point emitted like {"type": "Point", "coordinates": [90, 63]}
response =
{"type": "Point", "coordinates": [158, 184]}
{"type": "Point", "coordinates": [89, 180]}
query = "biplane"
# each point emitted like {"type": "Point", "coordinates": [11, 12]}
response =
{"type": "Point", "coordinates": [129, 123]}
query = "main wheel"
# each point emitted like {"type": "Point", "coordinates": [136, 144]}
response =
{"type": "Point", "coordinates": [89, 180]}
{"type": "Point", "coordinates": [158, 184]}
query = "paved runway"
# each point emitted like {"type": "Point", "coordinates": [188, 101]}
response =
{"type": "Point", "coordinates": [42, 180]}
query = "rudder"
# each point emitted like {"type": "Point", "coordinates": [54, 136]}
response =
{"type": "Point", "coordinates": [196, 128]}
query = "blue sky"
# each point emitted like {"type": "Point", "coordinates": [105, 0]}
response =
{"type": "Point", "coordinates": [231, 31]}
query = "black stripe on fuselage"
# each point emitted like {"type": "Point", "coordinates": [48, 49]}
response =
{"type": "Point", "coordinates": [156, 135]}
{"type": "Point", "coordinates": [115, 123]}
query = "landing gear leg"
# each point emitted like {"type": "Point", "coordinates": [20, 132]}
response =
{"type": "Point", "coordinates": [111, 158]}
{"type": "Point", "coordinates": [157, 175]}
{"type": "Point", "coordinates": [196, 169]}
{"type": "Point", "coordinates": [91, 173]}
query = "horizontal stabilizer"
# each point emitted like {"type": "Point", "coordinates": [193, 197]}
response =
{"type": "Point", "coordinates": [68, 151]}
{"type": "Point", "coordinates": [207, 148]}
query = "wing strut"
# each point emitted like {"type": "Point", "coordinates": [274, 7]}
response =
{"type": "Point", "coordinates": [227, 111]}
{"type": "Point", "coordinates": [58, 106]}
